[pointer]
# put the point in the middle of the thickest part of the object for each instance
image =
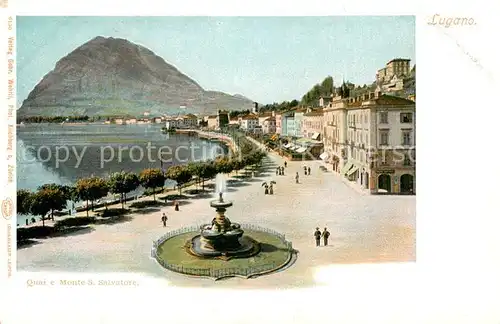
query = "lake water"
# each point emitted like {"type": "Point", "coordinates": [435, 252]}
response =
{"type": "Point", "coordinates": [61, 154]}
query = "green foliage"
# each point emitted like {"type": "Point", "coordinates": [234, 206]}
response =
{"type": "Point", "coordinates": [223, 165]}
{"type": "Point", "coordinates": [325, 88]}
{"type": "Point", "coordinates": [45, 200]}
{"type": "Point", "coordinates": [25, 233]}
{"type": "Point", "coordinates": [146, 204]}
{"type": "Point", "coordinates": [123, 183]}
{"type": "Point", "coordinates": [112, 212]}
{"type": "Point", "coordinates": [23, 202]}
{"type": "Point", "coordinates": [180, 174]}
{"type": "Point", "coordinates": [75, 221]}
{"type": "Point", "coordinates": [56, 119]}
{"type": "Point", "coordinates": [91, 189]}
{"type": "Point", "coordinates": [152, 178]}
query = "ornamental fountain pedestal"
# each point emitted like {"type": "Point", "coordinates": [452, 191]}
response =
{"type": "Point", "coordinates": [221, 238]}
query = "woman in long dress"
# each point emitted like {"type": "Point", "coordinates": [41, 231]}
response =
{"type": "Point", "coordinates": [266, 191]}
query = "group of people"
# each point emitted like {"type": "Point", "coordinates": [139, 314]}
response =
{"type": "Point", "coordinates": [280, 170]}
{"type": "Point", "coordinates": [318, 235]}
{"type": "Point", "coordinates": [307, 170]}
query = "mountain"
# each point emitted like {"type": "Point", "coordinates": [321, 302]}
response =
{"type": "Point", "coordinates": [112, 76]}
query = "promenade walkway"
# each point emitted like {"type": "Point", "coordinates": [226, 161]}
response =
{"type": "Point", "coordinates": [363, 229]}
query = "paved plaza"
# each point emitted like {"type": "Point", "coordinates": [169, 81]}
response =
{"type": "Point", "coordinates": [364, 229]}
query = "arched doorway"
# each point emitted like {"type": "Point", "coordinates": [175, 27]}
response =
{"type": "Point", "coordinates": [384, 182]}
{"type": "Point", "coordinates": [406, 183]}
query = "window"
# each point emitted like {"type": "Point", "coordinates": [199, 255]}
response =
{"type": "Point", "coordinates": [407, 161]}
{"type": "Point", "coordinates": [383, 117]}
{"type": "Point", "coordinates": [366, 118]}
{"type": "Point", "coordinates": [406, 136]}
{"type": "Point", "coordinates": [384, 137]}
{"type": "Point", "coordinates": [406, 117]}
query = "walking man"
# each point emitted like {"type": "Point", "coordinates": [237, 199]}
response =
{"type": "Point", "coordinates": [305, 170]}
{"type": "Point", "coordinates": [164, 220]}
{"type": "Point", "coordinates": [325, 236]}
{"type": "Point", "coordinates": [297, 177]}
{"type": "Point", "coordinates": [309, 170]}
{"type": "Point", "coordinates": [317, 236]}
{"type": "Point", "coordinates": [285, 164]}
{"type": "Point", "coordinates": [176, 204]}
{"type": "Point", "coordinates": [278, 170]}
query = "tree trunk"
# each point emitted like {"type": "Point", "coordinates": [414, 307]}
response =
{"type": "Point", "coordinates": [87, 208]}
{"type": "Point", "coordinates": [203, 184]}
{"type": "Point", "coordinates": [124, 198]}
{"type": "Point", "coordinates": [52, 214]}
{"type": "Point", "coordinates": [92, 203]}
{"type": "Point", "coordinates": [154, 194]}
{"type": "Point", "coordinates": [43, 221]}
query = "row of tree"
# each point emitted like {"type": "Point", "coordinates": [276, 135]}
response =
{"type": "Point", "coordinates": [53, 197]}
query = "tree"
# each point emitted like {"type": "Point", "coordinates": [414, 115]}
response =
{"type": "Point", "coordinates": [223, 165]}
{"type": "Point", "coordinates": [23, 197]}
{"type": "Point", "coordinates": [92, 188]}
{"type": "Point", "coordinates": [68, 192]}
{"type": "Point", "coordinates": [152, 178]}
{"type": "Point", "coordinates": [203, 170]}
{"type": "Point", "coordinates": [180, 174]}
{"type": "Point", "coordinates": [123, 183]}
{"type": "Point", "coordinates": [44, 201]}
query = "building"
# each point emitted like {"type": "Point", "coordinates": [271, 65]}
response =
{"type": "Point", "coordinates": [255, 108]}
{"type": "Point", "coordinates": [312, 126]}
{"type": "Point", "coordinates": [211, 121]}
{"type": "Point", "coordinates": [263, 116]}
{"type": "Point", "coordinates": [279, 123]}
{"type": "Point", "coordinates": [269, 125]}
{"type": "Point", "coordinates": [234, 121]}
{"type": "Point", "coordinates": [288, 124]}
{"type": "Point", "coordinates": [325, 100]}
{"type": "Point", "coordinates": [189, 121]}
{"type": "Point", "coordinates": [222, 119]}
{"type": "Point", "coordinates": [249, 122]}
{"type": "Point", "coordinates": [131, 121]}
{"type": "Point", "coordinates": [398, 66]}
{"type": "Point", "coordinates": [299, 121]}
{"type": "Point", "coordinates": [370, 140]}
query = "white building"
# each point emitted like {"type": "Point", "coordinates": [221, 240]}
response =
{"type": "Point", "coordinates": [249, 122]}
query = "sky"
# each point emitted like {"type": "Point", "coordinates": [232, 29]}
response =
{"type": "Point", "coordinates": [267, 59]}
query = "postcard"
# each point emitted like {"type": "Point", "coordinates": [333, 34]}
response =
{"type": "Point", "coordinates": [212, 168]}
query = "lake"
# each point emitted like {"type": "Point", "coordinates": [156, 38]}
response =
{"type": "Point", "coordinates": [61, 154]}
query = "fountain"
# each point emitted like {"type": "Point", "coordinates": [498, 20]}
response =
{"type": "Point", "coordinates": [221, 238]}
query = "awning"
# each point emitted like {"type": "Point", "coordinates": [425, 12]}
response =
{"type": "Point", "coordinates": [352, 170]}
{"type": "Point", "coordinates": [315, 136]}
{"type": "Point", "coordinates": [324, 155]}
{"type": "Point", "coordinates": [301, 150]}
{"type": "Point", "coordinates": [346, 168]}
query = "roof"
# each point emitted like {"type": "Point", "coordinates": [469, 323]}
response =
{"type": "Point", "coordinates": [212, 116]}
{"type": "Point", "coordinates": [266, 114]}
{"type": "Point", "coordinates": [386, 100]}
{"type": "Point", "coordinates": [270, 119]}
{"type": "Point", "coordinates": [247, 117]}
{"type": "Point", "coordinates": [314, 113]}
{"type": "Point", "coordinates": [398, 59]}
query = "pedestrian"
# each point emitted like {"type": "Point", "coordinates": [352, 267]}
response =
{"type": "Point", "coordinates": [271, 190]}
{"type": "Point", "coordinates": [305, 170]}
{"type": "Point", "coordinates": [317, 236]}
{"type": "Point", "coordinates": [325, 236]}
{"type": "Point", "coordinates": [309, 170]}
{"type": "Point", "coordinates": [278, 169]}
{"type": "Point", "coordinates": [297, 177]}
{"type": "Point", "coordinates": [176, 204]}
{"type": "Point", "coordinates": [164, 220]}
{"type": "Point", "coordinates": [285, 164]}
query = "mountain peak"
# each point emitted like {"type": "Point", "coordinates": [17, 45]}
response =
{"type": "Point", "coordinates": [108, 75]}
